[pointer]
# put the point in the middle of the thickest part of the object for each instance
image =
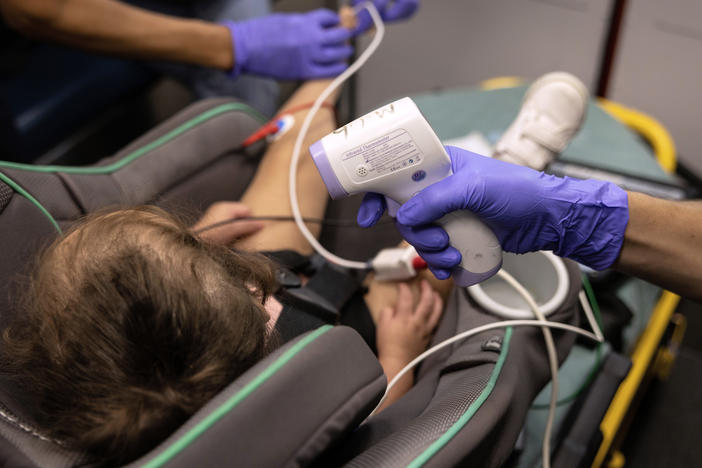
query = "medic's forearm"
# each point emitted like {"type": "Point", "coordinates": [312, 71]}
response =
{"type": "Point", "coordinates": [663, 244]}
{"type": "Point", "coordinates": [111, 27]}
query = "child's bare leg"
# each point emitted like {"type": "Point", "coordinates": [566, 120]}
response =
{"type": "Point", "coordinates": [268, 193]}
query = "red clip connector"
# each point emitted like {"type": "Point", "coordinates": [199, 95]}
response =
{"type": "Point", "coordinates": [271, 128]}
{"type": "Point", "coordinates": [418, 263]}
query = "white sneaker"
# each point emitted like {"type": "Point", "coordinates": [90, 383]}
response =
{"type": "Point", "coordinates": [552, 112]}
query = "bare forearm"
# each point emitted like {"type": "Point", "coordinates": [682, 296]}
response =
{"type": "Point", "coordinates": [663, 244]}
{"type": "Point", "coordinates": [112, 27]}
{"type": "Point", "coordinates": [269, 194]}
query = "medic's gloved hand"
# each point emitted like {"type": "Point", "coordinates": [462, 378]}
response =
{"type": "Point", "coordinates": [290, 46]}
{"type": "Point", "coordinates": [528, 210]}
{"type": "Point", "coordinates": [389, 10]}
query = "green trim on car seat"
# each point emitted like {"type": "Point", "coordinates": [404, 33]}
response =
{"type": "Point", "coordinates": [180, 129]}
{"type": "Point", "coordinates": [472, 409]}
{"type": "Point", "coordinates": [17, 188]}
{"type": "Point", "coordinates": [179, 445]}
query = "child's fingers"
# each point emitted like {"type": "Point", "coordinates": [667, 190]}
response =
{"type": "Point", "coordinates": [224, 211]}
{"type": "Point", "coordinates": [436, 311]}
{"type": "Point", "coordinates": [404, 299]}
{"type": "Point", "coordinates": [386, 313]}
{"type": "Point", "coordinates": [229, 233]}
{"type": "Point", "coordinates": [236, 209]}
{"type": "Point", "coordinates": [347, 17]}
{"type": "Point", "coordinates": [243, 228]}
{"type": "Point", "coordinates": [426, 300]}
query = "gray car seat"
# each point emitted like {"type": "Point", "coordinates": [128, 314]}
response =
{"type": "Point", "coordinates": [302, 405]}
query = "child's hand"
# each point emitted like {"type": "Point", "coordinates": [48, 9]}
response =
{"type": "Point", "coordinates": [227, 233]}
{"type": "Point", "coordinates": [403, 332]}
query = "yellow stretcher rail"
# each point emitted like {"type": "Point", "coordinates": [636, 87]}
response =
{"type": "Point", "coordinates": [641, 358]}
{"type": "Point", "coordinates": [652, 130]}
{"type": "Point", "coordinates": [646, 347]}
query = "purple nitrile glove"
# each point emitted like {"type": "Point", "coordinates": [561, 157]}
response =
{"type": "Point", "coordinates": [290, 46]}
{"type": "Point", "coordinates": [528, 210]}
{"type": "Point", "coordinates": [390, 10]}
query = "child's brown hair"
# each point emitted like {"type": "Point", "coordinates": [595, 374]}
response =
{"type": "Point", "coordinates": [130, 325]}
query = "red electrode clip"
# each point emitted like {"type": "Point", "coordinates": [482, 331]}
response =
{"type": "Point", "coordinates": [418, 263]}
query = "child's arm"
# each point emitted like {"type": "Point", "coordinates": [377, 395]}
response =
{"type": "Point", "coordinates": [268, 193]}
{"type": "Point", "coordinates": [403, 333]}
{"type": "Point", "coordinates": [227, 234]}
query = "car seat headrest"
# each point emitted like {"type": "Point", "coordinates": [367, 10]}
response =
{"type": "Point", "coordinates": [286, 410]}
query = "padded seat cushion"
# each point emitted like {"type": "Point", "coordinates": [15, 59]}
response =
{"type": "Point", "coordinates": [286, 410]}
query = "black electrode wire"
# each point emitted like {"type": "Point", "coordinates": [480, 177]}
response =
{"type": "Point", "coordinates": [324, 222]}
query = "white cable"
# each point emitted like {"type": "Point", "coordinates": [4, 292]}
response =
{"type": "Point", "coordinates": [338, 81]}
{"type": "Point", "coordinates": [475, 331]}
{"type": "Point", "coordinates": [590, 316]}
{"type": "Point", "coordinates": [552, 361]}
{"type": "Point", "coordinates": [550, 346]}
{"type": "Point", "coordinates": [541, 322]}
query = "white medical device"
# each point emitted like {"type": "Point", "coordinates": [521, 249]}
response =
{"type": "Point", "coordinates": [395, 152]}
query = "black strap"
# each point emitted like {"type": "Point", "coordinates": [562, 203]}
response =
{"type": "Point", "coordinates": [294, 321]}
{"type": "Point", "coordinates": [291, 260]}
{"type": "Point", "coordinates": [334, 285]}
{"type": "Point", "coordinates": [331, 296]}
{"type": "Point", "coordinates": [329, 287]}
